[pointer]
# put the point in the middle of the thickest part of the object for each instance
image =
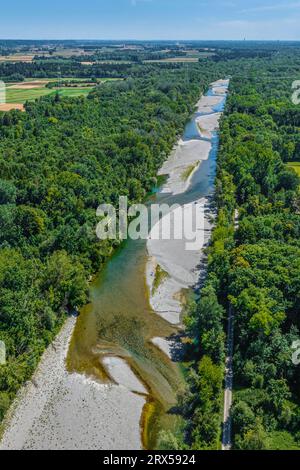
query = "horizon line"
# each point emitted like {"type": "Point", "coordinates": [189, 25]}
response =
{"type": "Point", "coordinates": [149, 39]}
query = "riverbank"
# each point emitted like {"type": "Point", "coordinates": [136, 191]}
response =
{"type": "Point", "coordinates": [183, 268]}
{"type": "Point", "coordinates": [43, 417]}
{"type": "Point", "coordinates": [182, 164]}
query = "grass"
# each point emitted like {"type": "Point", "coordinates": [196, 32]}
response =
{"type": "Point", "coordinates": [188, 171]}
{"type": "Point", "coordinates": [295, 166]}
{"type": "Point", "coordinates": [72, 92]}
{"type": "Point", "coordinates": [201, 129]}
{"type": "Point", "coordinates": [281, 440]}
{"type": "Point", "coordinates": [77, 80]}
{"type": "Point", "coordinates": [160, 276]}
{"type": "Point", "coordinates": [14, 95]}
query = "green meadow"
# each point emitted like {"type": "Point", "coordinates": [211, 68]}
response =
{"type": "Point", "coordinates": [14, 95]}
{"type": "Point", "coordinates": [21, 95]}
{"type": "Point", "coordinates": [295, 166]}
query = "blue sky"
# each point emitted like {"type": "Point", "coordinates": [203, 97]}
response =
{"type": "Point", "coordinates": [150, 19]}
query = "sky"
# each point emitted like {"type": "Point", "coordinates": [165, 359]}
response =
{"type": "Point", "coordinates": [150, 19]}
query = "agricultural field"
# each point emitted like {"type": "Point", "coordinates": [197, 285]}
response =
{"type": "Point", "coordinates": [10, 106]}
{"type": "Point", "coordinates": [17, 58]}
{"type": "Point", "coordinates": [18, 93]}
{"type": "Point", "coordinates": [23, 95]}
{"type": "Point", "coordinates": [190, 57]}
{"type": "Point", "coordinates": [174, 59]}
{"type": "Point", "coordinates": [104, 62]}
{"type": "Point", "coordinates": [68, 52]}
{"type": "Point", "coordinates": [295, 166]}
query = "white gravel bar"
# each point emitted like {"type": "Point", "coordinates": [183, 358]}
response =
{"type": "Point", "coordinates": [58, 410]}
{"type": "Point", "coordinates": [183, 267]}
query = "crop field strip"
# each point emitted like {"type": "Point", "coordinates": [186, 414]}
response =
{"type": "Point", "coordinates": [23, 95]}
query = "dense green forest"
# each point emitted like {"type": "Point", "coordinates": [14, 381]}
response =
{"type": "Point", "coordinates": [63, 157]}
{"type": "Point", "coordinates": [260, 134]}
{"type": "Point", "coordinates": [253, 269]}
{"type": "Point", "coordinates": [55, 68]}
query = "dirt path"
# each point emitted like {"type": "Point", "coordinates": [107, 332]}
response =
{"type": "Point", "coordinates": [226, 441]}
{"type": "Point", "coordinates": [227, 424]}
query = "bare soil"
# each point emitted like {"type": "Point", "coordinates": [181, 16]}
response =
{"type": "Point", "coordinates": [10, 106]}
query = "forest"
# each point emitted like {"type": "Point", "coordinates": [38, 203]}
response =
{"type": "Point", "coordinates": [262, 282]}
{"type": "Point", "coordinates": [64, 156]}
{"type": "Point", "coordinates": [254, 270]}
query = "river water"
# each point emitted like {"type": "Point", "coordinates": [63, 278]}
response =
{"type": "Point", "coordinates": [120, 322]}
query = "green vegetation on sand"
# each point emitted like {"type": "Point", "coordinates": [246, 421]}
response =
{"type": "Point", "coordinates": [160, 276]}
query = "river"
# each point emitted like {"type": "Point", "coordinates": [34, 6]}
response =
{"type": "Point", "coordinates": [120, 322]}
